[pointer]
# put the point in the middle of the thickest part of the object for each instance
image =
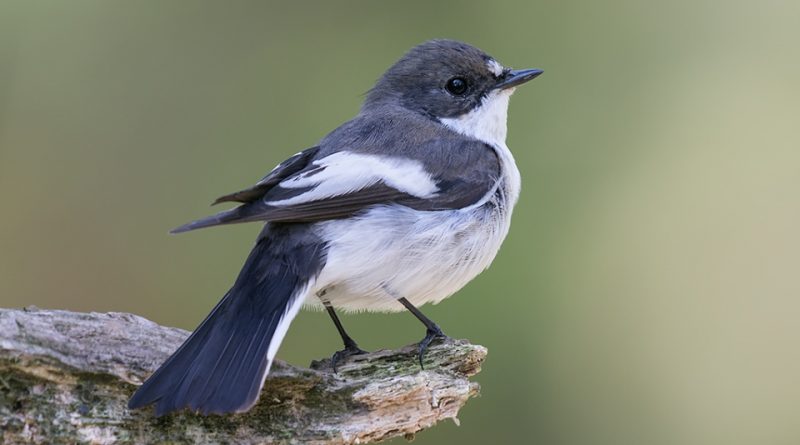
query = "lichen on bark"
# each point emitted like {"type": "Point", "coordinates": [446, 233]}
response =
{"type": "Point", "coordinates": [65, 377]}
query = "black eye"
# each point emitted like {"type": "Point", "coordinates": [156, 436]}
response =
{"type": "Point", "coordinates": [456, 86]}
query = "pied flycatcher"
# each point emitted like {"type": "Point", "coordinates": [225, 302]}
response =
{"type": "Point", "coordinates": [402, 205]}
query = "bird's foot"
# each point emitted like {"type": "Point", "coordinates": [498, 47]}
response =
{"type": "Point", "coordinates": [350, 349]}
{"type": "Point", "coordinates": [431, 334]}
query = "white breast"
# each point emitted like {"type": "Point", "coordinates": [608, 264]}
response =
{"type": "Point", "coordinates": [394, 251]}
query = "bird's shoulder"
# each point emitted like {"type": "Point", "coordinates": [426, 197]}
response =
{"type": "Point", "coordinates": [387, 155]}
{"type": "Point", "coordinates": [402, 134]}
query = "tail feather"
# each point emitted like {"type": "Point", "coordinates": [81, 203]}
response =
{"type": "Point", "coordinates": [222, 366]}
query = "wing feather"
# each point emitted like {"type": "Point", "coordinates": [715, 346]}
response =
{"type": "Point", "coordinates": [284, 170]}
{"type": "Point", "coordinates": [309, 187]}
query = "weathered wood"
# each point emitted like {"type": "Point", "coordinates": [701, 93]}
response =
{"type": "Point", "coordinates": [65, 377]}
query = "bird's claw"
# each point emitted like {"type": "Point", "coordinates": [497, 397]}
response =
{"type": "Point", "coordinates": [350, 349]}
{"type": "Point", "coordinates": [430, 335]}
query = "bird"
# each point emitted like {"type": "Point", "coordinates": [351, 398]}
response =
{"type": "Point", "coordinates": [400, 206]}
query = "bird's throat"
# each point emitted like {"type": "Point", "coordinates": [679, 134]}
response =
{"type": "Point", "coordinates": [487, 122]}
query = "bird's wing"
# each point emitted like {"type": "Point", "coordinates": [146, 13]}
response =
{"type": "Point", "coordinates": [449, 174]}
{"type": "Point", "coordinates": [282, 171]}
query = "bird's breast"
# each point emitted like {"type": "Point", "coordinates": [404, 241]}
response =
{"type": "Point", "coordinates": [392, 251]}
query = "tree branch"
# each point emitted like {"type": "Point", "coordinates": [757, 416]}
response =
{"type": "Point", "coordinates": [65, 377]}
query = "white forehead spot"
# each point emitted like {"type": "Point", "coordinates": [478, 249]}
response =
{"type": "Point", "coordinates": [495, 67]}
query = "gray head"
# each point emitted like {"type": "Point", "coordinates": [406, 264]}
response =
{"type": "Point", "coordinates": [445, 79]}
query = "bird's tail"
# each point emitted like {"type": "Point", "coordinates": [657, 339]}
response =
{"type": "Point", "coordinates": [221, 367]}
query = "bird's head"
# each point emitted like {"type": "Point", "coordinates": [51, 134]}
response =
{"type": "Point", "coordinates": [450, 81]}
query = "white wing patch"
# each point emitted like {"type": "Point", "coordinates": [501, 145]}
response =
{"type": "Point", "coordinates": [345, 172]}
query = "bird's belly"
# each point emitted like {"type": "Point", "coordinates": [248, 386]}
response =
{"type": "Point", "coordinates": [393, 251]}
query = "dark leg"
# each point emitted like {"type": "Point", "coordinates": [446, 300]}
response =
{"type": "Point", "coordinates": [350, 346]}
{"type": "Point", "coordinates": [433, 331]}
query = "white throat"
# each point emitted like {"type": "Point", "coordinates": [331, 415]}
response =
{"type": "Point", "coordinates": [487, 122]}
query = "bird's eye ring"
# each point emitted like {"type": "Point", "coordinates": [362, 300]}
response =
{"type": "Point", "coordinates": [456, 86]}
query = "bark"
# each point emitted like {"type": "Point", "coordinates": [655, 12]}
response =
{"type": "Point", "coordinates": [65, 377]}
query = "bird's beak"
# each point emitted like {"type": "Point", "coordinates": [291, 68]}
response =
{"type": "Point", "coordinates": [512, 78]}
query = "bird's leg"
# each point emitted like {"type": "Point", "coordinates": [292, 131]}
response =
{"type": "Point", "coordinates": [350, 346]}
{"type": "Point", "coordinates": [433, 331]}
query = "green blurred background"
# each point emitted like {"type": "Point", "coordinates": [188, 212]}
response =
{"type": "Point", "coordinates": [648, 292]}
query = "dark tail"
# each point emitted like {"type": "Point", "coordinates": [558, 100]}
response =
{"type": "Point", "coordinates": [222, 365]}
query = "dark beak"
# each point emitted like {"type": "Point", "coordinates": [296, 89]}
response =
{"type": "Point", "coordinates": [513, 78]}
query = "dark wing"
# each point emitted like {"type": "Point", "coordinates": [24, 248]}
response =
{"type": "Point", "coordinates": [282, 171]}
{"type": "Point", "coordinates": [443, 174]}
